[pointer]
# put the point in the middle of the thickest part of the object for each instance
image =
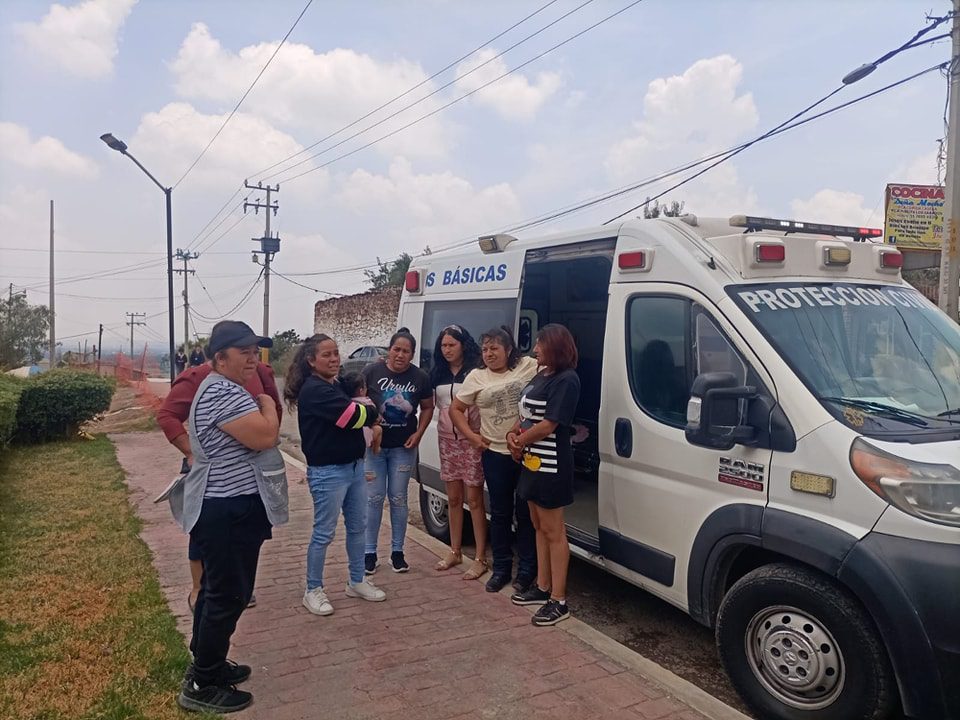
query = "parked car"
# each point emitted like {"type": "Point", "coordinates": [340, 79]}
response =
{"type": "Point", "coordinates": [361, 357]}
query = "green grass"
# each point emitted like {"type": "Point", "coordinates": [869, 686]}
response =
{"type": "Point", "coordinates": [84, 630]}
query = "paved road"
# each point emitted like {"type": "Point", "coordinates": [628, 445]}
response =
{"type": "Point", "coordinates": [630, 616]}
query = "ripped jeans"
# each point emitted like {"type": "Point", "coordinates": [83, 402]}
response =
{"type": "Point", "coordinates": [388, 474]}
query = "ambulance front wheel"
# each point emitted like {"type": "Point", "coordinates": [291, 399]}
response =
{"type": "Point", "coordinates": [798, 646]}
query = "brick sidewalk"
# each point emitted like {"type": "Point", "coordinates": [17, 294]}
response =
{"type": "Point", "coordinates": [438, 647]}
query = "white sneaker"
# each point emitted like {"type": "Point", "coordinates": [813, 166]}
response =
{"type": "Point", "coordinates": [316, 602]}
{"type": "Point", "coordinates": [366, 590]}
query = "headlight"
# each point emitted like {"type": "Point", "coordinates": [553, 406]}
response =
{"type": "Point", "coordinates": [924, 490]}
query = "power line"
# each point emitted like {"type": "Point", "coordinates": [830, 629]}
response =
{"type": "Point", "coordinates": [325, 292]}
{"type": "Point", "coordinates": [204, 248]}
{"type": "Point", "coordinates": [425, 97]}
{"type": "Point", "coordinates": [216, 307]}
{"type": "Point", "coordinates": [238, 306]}
{"type": "Point", "coordinates": [244, 97]}
{"type": "Point", "coordinates": [455, 100]}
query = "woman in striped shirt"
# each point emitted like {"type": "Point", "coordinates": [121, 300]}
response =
{"type": "Point", "coordinates": [541, 442]}
{"type": "Point", "coordinates": [331, 433]}
{"type": "Point", "coordinates": [224, 511]}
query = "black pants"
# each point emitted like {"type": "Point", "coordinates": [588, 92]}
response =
{"type": "Point", "coordinates": [502, 474]}
{"type": "Point", "coordinates": [228, 536]}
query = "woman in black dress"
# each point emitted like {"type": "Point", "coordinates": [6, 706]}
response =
{"type": "Point", "coordinates": [541, 442]}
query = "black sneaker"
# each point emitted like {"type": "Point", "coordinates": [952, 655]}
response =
{"type": "Point", "coordinates": [217, 699]}
{"type": "Point", "coordinates": [398, 562]}
{"type": "Point", "coordinates": [532, 596]}
{"type": "Point", "coordinates": [370, 563]}
{"type": "Point", "coordinates": [497, 582]}
{"type": "Point", "coordinates": [550, 614]}
{"type": "Point", "coordinates": [233, 673]}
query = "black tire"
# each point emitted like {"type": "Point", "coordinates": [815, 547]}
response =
{"type": "Point", "coordinates": [814, 653]}
{"type": "Point", "coordinates": [433, 510]}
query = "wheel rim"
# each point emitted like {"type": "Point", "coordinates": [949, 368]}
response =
{"type": "Point", "coordinates": [795, 657]}
{"type": "Point", "coordinates": [437, 507]}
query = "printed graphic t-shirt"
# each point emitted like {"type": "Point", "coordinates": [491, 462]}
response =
{"type": "Point", "coordinates": [496, 395]}
{"type": "Point", "coordinates": [231, 473]}
{"type": "Point", "coordinates": [397, 396]}
{"type": "Point", "coordinates": [554, 398]}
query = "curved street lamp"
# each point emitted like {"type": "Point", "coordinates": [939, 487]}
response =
{"type": "Point", "coordinates": [121, 147]}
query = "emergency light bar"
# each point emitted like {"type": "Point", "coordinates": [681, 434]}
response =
{"type": "Point", "coordinates": [753, 224]}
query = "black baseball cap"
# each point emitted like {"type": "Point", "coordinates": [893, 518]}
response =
{"type": "Point", "coordinates": [233, 333]}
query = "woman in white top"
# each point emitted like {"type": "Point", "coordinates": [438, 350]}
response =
{"type": "Point", "coordinates": [495, 390]}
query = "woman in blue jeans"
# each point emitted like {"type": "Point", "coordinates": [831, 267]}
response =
{"type": "Point", "coordinates": [331, 434]}
{"type": "Point", "coordinates": [399, 389]}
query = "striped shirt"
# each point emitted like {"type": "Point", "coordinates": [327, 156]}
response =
{"type": "Point", "coordinates": [554, 398]}
{"type": "Point", "coordinates": [230, 473]}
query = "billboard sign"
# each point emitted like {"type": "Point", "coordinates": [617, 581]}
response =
{"type": "Point", "coordinates": [913, 217]}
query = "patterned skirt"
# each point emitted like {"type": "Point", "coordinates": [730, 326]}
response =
{"type": "Point", "coordinates": [460, 461]}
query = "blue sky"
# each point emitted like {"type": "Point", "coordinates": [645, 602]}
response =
{"type": "Point", "coordinates": [660, 84]}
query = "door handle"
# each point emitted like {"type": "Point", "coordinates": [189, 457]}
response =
{"type": "Point", "coordinates": [623, 437]}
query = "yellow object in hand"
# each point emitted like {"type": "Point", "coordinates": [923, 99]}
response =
{"type": "Point", "coordinates": [531, 462]}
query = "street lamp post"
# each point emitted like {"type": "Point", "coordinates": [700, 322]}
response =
{"type": "Point", "coordinates": [121, 147]}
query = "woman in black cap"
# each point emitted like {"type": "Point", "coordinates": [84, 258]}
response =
{"type": "Point", "coordinates": [228, 502]}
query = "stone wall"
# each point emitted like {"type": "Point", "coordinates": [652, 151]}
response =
{"type": "Point", "coordinates": [368, 318]}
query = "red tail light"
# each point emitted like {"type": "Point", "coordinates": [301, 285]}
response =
{"type": "Point", "coordinates": [412, 281]}
{"type": "Point", "coordinates": [891, 260]}
{"type": "Point", "coordinates": [632, 260]}
{"type": "Point", "coordinates": [770, 253]}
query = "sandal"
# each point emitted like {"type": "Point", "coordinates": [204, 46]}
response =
{"type": "Point", "coordinates": [452, 558]}
{"type": "Point", "coordinates": [479, 568]}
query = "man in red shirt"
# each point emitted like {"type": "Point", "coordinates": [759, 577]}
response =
{"type": "Point", "coordinates": [173, 413]}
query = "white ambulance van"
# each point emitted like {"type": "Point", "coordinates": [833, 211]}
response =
{"type": "Point", "coordinates": [768, 437]}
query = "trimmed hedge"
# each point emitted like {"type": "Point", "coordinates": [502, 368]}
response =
{"type": "Point", "coordinates": [54, 404]}
{"type": "Point", "coordinates": [10, 389]}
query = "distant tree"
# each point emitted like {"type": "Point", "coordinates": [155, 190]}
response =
{"type": "Point", "coordinates": [389, 274]}
{"type": "Point", "coordinates": [667, 209]}
{"type": "Point", "coordinates": [23, 331]}
{"type": "Point", "coordinates": [283, 342]}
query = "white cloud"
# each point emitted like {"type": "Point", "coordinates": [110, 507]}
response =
{"type": "Point", "coordinates": [316, 92]}
{"type": "Point", "coordinates": [686, 117]}
{"type": "Point", "coordinates": [432, 209]}
{"type": "Point", "coordinates": [922, 170]}
{"type": "Point", "coordinates": [44, 153]}
{"type": "Point", "coordinates": [515, 96]}
{"type": "Point", "coordinates": [168, 140]}
{"type": "Point", "coordinates": [835, 207]}
{"type": "Point", "coordinates": [81, 39]}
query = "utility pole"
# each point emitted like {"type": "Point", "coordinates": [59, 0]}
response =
{"type": "Point", "coordinates": [99, 347]}
{"type": "Point", "coordinates": [269, 246]}
{"type": "Point", "coordinates": [133, 321]}
{"type": "Point", "coordinates": [185, 256]}
{"type": "Point", "coordinates": [53, 331]}
{"type": "Point", "coordinates": [950, 253]}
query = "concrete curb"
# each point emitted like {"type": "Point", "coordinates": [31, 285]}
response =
{"type": "Point", "coordinates": [681, 689]}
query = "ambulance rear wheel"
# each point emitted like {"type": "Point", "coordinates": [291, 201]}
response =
{"type": "Point", "coordinates": [434, 511]}
{"type": "Point", "coordinates": [798, 646]}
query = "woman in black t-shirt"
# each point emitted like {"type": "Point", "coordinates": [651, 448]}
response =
{"type": "Point", "coordinates": [399, 389]}
{"type": "Point", "coordinates": [541, 442]}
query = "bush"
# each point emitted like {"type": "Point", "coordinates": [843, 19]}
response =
{"type": "Point", "coordinates": [10, 389]}
{"type": "Point", "coordinates": [54, 404]}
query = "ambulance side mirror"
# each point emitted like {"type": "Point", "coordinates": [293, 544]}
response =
{"type": "Point", "coordinates": [717, 412]}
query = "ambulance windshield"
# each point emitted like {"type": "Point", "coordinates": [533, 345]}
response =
{"type": "Point", "coordinates": [880, 358]}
